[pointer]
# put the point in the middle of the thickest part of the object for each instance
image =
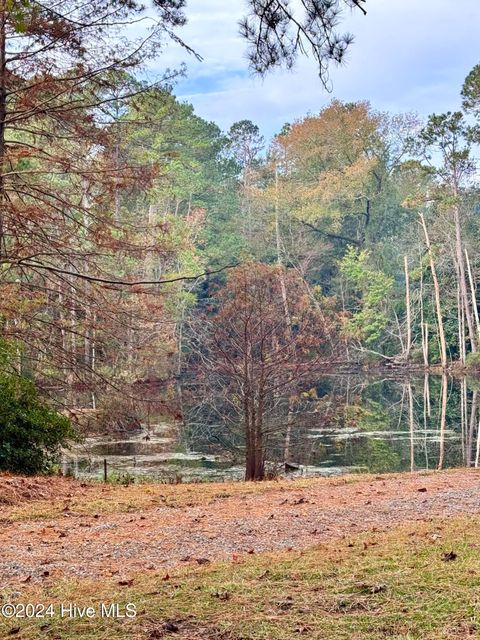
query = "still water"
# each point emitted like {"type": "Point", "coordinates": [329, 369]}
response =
{"type": "Point", "coordinates": [344, 424]}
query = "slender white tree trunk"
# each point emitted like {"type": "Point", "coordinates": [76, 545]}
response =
{"type": "Point", "coordinates": [461, 276]}
{"type": "Point", "coordinates": [412, 427]}
{"type": "Point", "coordinates": [473, 295]}
{"type": "Point", "coordinates": [409, 310]}
{"type": "Point", "coordinates": [438, 305]}
{"type": "Point", "coordinates": [443, 420]}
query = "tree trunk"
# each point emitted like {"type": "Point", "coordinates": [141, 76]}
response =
{"type": "Point", "coordinates": [473, 294]}
{"type": "Point", "coordinates": [288, 321]}
{"type": "Point", "coordinates": [3, 114]}
{"type": "Point", "coordinates": [250, 457]}
{"type": "Point", "coordinates": [259, 473]}
{"type": "Point", "coordinates": [288, 433]}
{"type": "Point", "coordinates": [462, 351]}
{"type": "Point", "coordinates": [443, 420]}
{"type": "Point", "coordinates": [426, 413]}
{"type": "Point", "coordinates": [425, 343]}
{"type": "Point", "coordinates": [462, 279]}
{"type": "Point", "coordinates": [93, 354]}
{"type": "Point", "coordinates": [423, 324]}
{"type": "Point", "coordinates": [409, 311]}
{"type": "Point", "coordinates": [438, 306]}
{"type": "Point", "coordinates": [463, 413]}
{"type": "Point", "coordinates": [279, 256]}
{"type": "Point", "coordinates": [471, 429]}
{"type": "Point", "coordinates": [412, 427]}
{"type": "Point", "coordinates": [250, 450]}
{"type": "Point", "coordinates": [249, 416]}
{"type": "Point", "coordinates": [477, 452]}
{"type": "Point", "coordinates": [259, 435]}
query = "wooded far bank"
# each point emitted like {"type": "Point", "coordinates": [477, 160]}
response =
{"type": "Point", "coordinates": [148, 257]}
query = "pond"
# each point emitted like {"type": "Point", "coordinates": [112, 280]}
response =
{"type": "Point", "coordinates": [342, 425]}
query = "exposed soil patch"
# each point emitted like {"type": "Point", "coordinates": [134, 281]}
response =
{"type": "Point", "coordinates": [16, 490]}
{"type": "Point", "coordinates": [225, 527]}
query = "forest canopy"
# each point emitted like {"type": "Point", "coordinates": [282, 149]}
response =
{"type": "Point", "coordinates": [130, 226]}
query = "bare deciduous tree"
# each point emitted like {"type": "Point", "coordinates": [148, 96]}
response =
{"type": "Point", "coordinates": [250, 362]}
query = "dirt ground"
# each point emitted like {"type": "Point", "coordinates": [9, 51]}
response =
{"type": "Point", "coordinates": [18, 489]}
{"type": "Point", "coordinates": [217, 522]}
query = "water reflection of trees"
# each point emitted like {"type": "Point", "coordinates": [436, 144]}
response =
{"type": "Point", "coordinates": [371, 425]}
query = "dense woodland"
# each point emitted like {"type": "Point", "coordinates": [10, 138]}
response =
{"type": "Point", "coordinates": [152, 262]}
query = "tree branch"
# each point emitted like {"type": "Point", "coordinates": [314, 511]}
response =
{"type": "Point", "coordinates": [333, 236]}
{"type": "Point", "coordinates": [123, 283]}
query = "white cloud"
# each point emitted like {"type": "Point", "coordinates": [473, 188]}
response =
{"type": "Point", "coordinates": [407, 56]}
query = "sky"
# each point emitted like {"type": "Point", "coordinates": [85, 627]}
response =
{"type": "Point", "coordinates": [408, 56]}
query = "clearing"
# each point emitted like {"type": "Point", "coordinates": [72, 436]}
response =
{"type": "Point", "coordinates": [353, 557]}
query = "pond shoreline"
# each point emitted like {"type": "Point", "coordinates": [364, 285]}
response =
{"type": "Point", "coordinates": [379, 419]}
{"type": "Point", "coordinates": [344, 367]}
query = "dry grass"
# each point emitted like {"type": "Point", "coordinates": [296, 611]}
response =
{"type": "Point", "coordinates": [39, 498]}
{"type": "Point", "coordinates": [92, 498]}
{"type": "Point", "coordinates": [368, 587]}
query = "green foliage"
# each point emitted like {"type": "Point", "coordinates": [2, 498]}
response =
{"type": "Point", "coordinates": [18, 13]}
{"type": "Point", "coordinates": [6, 352]}
{"type": "Point", "coordinates": [187, 151]}
{"type": "Point", "coordinates": [117, 477]}
{"type": "Point", "coordinates": [374, 286]}
{"type": "Point", "coordinates": [448, 134]}
{"type": "Point", "coordinates": [278, 34]}
{"type": "Point", "coordinates": [471, 101]}
{"type": "Point", "coordinates": [416, 356]}
{"type": "Point", "coordinates": [376, 455]}
{"type": "Point", "coordinates": [471, 91]}
{"type": "Point", "coordinates": [245, 142]}
{"type": "Point", "coordinates": [472, 361]}
{"type": "Point", "coordinates": [194, 190]}
{"type": "Point", "coordinates": [373, 416]}
{"type": "Point", "coordinates": [30, 431]}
